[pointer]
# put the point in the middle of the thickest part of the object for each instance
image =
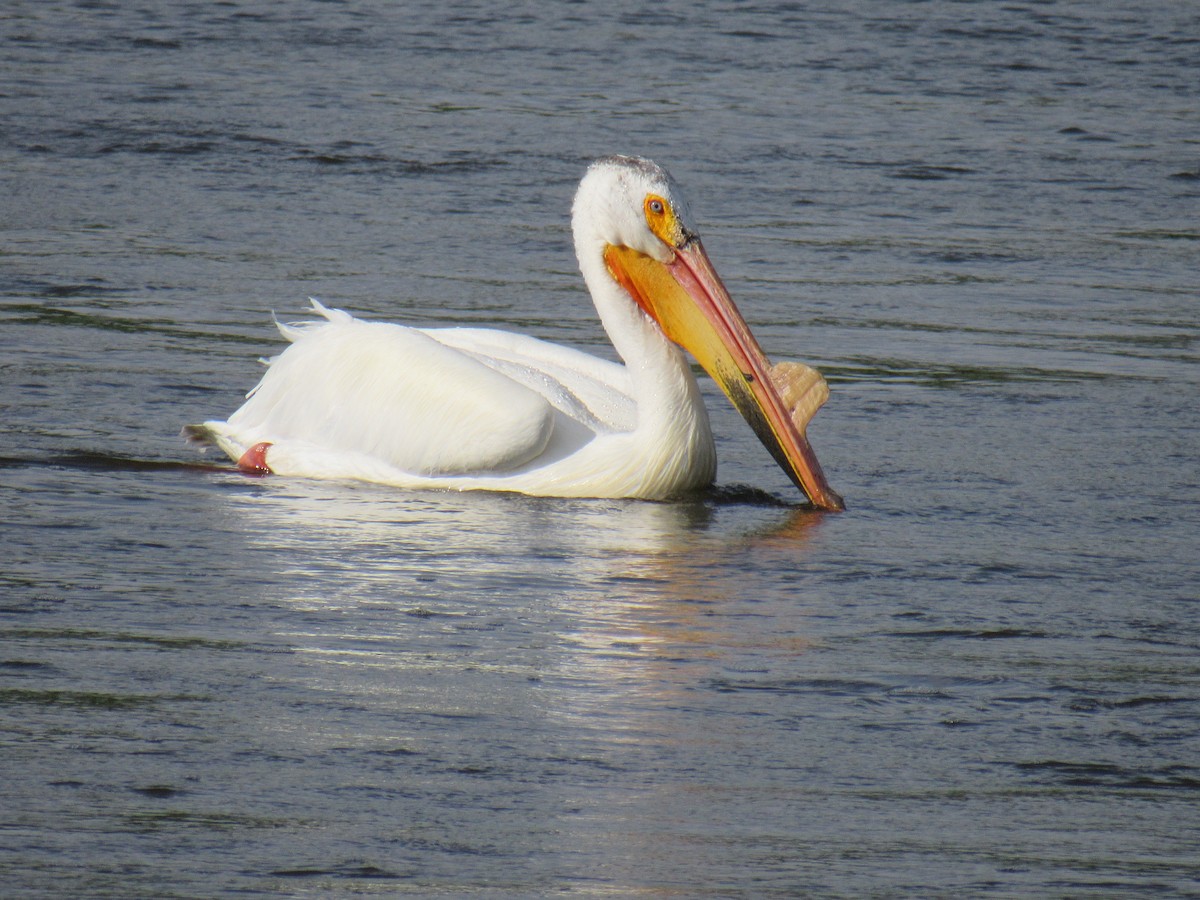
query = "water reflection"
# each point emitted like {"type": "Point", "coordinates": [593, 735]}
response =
{"type": "Point", "coordinates": [570, 645]}
{"type": "Point", "coordinates": [613, 585]}
{"type": "Point", "coordinates": [342, 541]}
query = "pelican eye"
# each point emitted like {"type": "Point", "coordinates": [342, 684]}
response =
{"type": "Point", "coordinates": [661, 219]}
{"type": "Point", "coordinates": [657, 209]}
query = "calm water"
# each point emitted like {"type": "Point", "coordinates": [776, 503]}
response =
{"type": "Point", "coordinates": [979, 220]}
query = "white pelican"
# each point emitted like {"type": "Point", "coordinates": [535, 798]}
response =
{"type": "Point", "coordinates": [479, 409]}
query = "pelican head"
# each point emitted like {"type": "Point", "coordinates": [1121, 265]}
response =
{"type": "Point", "coordinates": [633, 210]}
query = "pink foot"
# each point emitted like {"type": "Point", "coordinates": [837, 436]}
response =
{"type": "Point", "coordinates": [254, 460]}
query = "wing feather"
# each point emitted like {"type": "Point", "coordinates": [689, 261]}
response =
{"type": "Point", "coordinates": [396, 394]}
{"type": "Point", "coordinates": [590, 390]}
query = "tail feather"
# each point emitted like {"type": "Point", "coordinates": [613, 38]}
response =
{"type": "Point", "coordinates": [214, 434]}
{"type": "Point", "coordinates": [199, 436]}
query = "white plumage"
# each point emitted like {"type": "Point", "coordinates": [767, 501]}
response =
{"type": "Point", "coordinates": [480, 409]}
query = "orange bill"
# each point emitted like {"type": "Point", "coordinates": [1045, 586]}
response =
{"type": "Point", "coordinates": [693, 308]}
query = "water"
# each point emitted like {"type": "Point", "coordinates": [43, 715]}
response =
{"type": "Point", "coordinates": [978, 220]}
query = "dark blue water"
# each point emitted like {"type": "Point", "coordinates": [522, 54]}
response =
{"type": "Point", "coordinates": [978, 220]}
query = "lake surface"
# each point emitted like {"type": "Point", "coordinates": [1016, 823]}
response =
{"type": "Point", "coordinates": [978, 220]}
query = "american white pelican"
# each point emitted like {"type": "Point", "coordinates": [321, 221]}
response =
{"type": "Point", "coordinates": [479, 409]}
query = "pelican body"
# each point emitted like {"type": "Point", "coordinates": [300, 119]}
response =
{"type": "Point", "coordinates": [483, 409]}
